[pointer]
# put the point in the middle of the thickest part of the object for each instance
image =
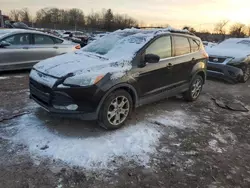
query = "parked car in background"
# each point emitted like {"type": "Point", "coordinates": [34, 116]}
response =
{"type": "Point", "coordinates": [209, 44]}
{"type": "Point", "coordinates": [76, 37]}
{"type": "Point", "coordinates": [230, 60]}
{"type": "Point", "coordinates": [108, 78]}
{"type": "Point", "coordinates": [21, 49]}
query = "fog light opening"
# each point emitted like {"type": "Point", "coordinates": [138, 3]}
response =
{"type": "Point", "coordinates": [72, 107]}
{"type": "Point", "coordinates": [69, 107]}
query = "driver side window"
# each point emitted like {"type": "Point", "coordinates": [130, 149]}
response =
{"type": "Point", "coordinates": [19, 39]}
{"type": "Point", "coordinates": [161, 47]}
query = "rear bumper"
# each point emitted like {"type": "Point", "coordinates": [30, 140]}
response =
{"type": "Point", "coordinates": [224, 71]}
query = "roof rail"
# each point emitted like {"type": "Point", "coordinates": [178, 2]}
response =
{"type": "Point", "coordinates": [168, 29]}
{"type": "Point", "coordinates": [187, 32]}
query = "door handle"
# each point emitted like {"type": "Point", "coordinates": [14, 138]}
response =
{"type": "Point", "coordinates": [26, 48]}
{"type": "Point", "coordinates": [56, 47]}
{"type": "Point", "coordinates": [170, 65]}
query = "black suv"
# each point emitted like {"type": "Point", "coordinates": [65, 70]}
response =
{"type": "Point", "coordinates": [128, 68]}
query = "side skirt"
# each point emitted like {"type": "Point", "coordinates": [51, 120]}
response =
{"type": "Point", "coordinates": [165, 94]}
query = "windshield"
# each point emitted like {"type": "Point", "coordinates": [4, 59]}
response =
{"type": "Point", "coordinates": [3, 32]}
{"type": "Point", "coordinates": [117, 43]}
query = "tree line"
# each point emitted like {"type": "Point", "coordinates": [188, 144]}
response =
{"type": "Point", "coordinates": [75, 18]}
{"type": "Point", "coordinates": [223, 27]}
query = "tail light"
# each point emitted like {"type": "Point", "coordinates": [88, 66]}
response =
{"type": "Point", "coordinates": [78, 47]}
{"type": "Point", "coordinates": [204, 53]}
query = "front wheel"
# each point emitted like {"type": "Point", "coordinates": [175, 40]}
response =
{"type": "Point", "coordinates": [115, 110]}
{"type": "Point", "coordinates": [195, 89]}
{"type": "Point", "coordinates": [246, 74]}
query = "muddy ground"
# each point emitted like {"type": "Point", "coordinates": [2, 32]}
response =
{"type": "Point", "coordinates": [206, 147]}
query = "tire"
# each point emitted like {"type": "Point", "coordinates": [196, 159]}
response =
{"type": "Point", "coordinates": [112, 109]}
{"type": "Point", "coordinates": [246, 74]}
{"type": "Point", "coordinates": [195, 89]}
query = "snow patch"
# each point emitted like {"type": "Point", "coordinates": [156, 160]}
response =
{"type": "Point", "coordinates": [4, 78]}
{"type": "Point", "coordinates": [213, 144]}
{"type": "Point", "coordinates": [18, 76]}
{"type": "Point", "coordinates": [135, 142]}
{"type": "Point", "coordinates": [177, 119]}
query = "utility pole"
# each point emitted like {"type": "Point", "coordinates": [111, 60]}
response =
{"type": "Point", "coordinates": [1, 19]}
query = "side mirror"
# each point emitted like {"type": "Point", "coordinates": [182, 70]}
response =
{"type": "Point", "coordinates": [4, 44]}
{"type": "Point", "coordinates": [151, 58]}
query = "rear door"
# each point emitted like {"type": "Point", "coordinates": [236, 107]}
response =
{"type": "Point", "coordinates": [18, 54]}
{"type": "Point", "coordinates": [183, 61]}
{"type": "Point", "coordinates": [155, 77]}
{"type": "Point", "coordinates": [43, 47]}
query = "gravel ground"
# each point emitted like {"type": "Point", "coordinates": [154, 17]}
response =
{"type": "Point", "coordinates": [166, 144]}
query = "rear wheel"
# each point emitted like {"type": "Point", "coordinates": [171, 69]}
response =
{"type": "Point", "coordinates": [246, 74]}
{"type": "Point", "coordinates": [195, 89]}
{"type": "Point", "coordinates": [115, 110]}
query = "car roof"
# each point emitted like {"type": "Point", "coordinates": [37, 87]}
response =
{"type": "Point", "coordinates": [7, 32]}
{"type": "Point", "coordinates": [158, 32]}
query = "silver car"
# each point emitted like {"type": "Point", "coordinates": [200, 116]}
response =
{"type": "Point", "coordinates": [21, 49]}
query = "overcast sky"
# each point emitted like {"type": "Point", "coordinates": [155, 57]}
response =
{"type": "Point", "coordinates": [198, 13]}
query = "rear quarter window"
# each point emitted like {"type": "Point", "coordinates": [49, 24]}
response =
{"type": "Point", "coordinates": [57, 41]}
{"type": "Point", "coordinates": [182, 45]}
{"type": "Point", "coordinates": [195, 45]}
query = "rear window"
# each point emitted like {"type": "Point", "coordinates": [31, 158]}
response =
{"type": "Point", "coordinates": [182, 45]}
{"type": "Point", "coordinates": [43, 39]}
{"type": "Point", "coordinates": [195, 45]}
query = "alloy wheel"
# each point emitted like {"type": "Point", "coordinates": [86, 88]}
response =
{"type": "Point", "coordinates": [196, 88]}
{"type": "Point", "coordinates": [118, 110]}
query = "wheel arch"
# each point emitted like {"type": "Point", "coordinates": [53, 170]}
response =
{"type": "Point", "coordinates": [199, 69]}
{"type": "Point", "coordinates": [127, 87]}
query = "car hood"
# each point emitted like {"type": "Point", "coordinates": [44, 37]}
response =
{"type": "Point", "coordinates": [227, 52]}
{"type": "Point", "coordinates": [80, 62]}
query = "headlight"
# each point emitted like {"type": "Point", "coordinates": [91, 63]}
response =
{"type": "Point", "coordinates": [82, 80]}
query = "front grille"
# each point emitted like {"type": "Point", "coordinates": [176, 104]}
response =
{"type": "Point", "coordinates": [217, 59]}
{"type": "Point", "coordinates": [40, 86]}
{"type": "Point", "coordinates": [40, 92]}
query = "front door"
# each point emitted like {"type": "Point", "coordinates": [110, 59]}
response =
{"type": "Point", "coordinates": [17, 54]}
{"type": "Point", "coordinates": [156, 77]}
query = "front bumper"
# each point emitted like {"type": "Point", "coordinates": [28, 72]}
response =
{"type": "Point", "coordinates": [86, 99]}
{"type": "Point", "coordinates": [224, 71]}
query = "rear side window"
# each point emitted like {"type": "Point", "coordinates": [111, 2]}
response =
{"type": "Point", "coordinates": [161, 47]}
{"type": "Point", "coordinates": [195, 45]}
{"type": "Point", "coordinates": [57, 41]}
{"type": "Point", "coordinates": [182, 45]}
{"type": "Point", "coordinates": [43, 39]}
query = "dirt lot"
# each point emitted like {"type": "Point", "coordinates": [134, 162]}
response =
{"type": "Point", "coordinates": [167, 144]}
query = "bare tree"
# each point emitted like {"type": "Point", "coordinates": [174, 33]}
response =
{"type": "Point", "coordinates": [248, 30]}
{"type": "Point", "coordinates": [25, 15]}
{"type": "Point", "coordinates": [189, 28]}
{"type": "Point", "coordinates": [64, 19]}
{"type": "Point", "coordinates": [238, 30]}
{"type": "Point", "coordinates": [220, 27]}
{"type": "Point", "coordinates": [14, 15]}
